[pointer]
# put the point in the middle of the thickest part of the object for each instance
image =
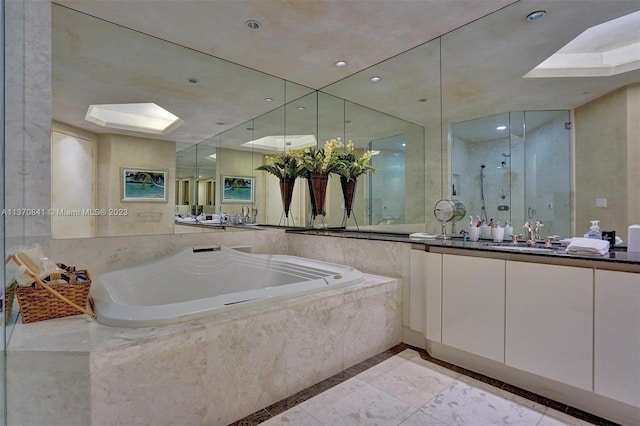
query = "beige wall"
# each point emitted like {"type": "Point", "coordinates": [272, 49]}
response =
{"type": "Point", "coordinates": [607, 161]}
{"type": "Point", "coordinates": [116, 151]}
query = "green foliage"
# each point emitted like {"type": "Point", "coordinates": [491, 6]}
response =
{"type": "Point", "coordinates": [284, 165]}
{"type": "Point", "coordinates": [322, 160]}
{"type": "Point", "coordinates": [349, 166]}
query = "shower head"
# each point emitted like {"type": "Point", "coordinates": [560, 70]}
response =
{"type": "Point", "coordinates": [482, 166]}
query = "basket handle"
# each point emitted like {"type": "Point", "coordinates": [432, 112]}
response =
{"type": "Point", "coordinates": [48, 287]}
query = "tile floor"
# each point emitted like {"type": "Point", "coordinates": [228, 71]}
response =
{"type": "Point", "coordinates": [401, 387]}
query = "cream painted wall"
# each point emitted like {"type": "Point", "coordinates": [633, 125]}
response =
{"type": "Point", "coordinates": [116, 151]}
{"type": "Point", "coordinates": [607, 159]}
{"type": "Point", "coordinates": [73, 179]}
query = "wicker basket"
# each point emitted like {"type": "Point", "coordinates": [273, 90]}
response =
{"type": "Point", "coordinates": [39, 303]}
{"type": "Point", "coordinates": [9, 296]}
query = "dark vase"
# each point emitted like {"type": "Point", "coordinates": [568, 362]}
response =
{"type": "Point", "coordinates": [286, 192]}
{"type": "Point", "coordinates": [348, 192]}
{"type": "Point", "coordinates": [319, 190]}
{"type": "Point", "coordinates": [314, 212]}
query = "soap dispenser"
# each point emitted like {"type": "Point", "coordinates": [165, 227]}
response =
{"type": "Point", "coordinates": [594, 231]}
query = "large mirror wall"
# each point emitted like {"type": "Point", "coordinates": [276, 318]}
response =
{"type": "Point", "coordinates": [409, 119]}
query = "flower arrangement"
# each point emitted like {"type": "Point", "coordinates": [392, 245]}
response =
{"type": "Point", "coordinates": [322, 160]}
{"type": "Point", "coordinates": [284, 165]}
{"type": "Point", "coordinates": [349, 166]}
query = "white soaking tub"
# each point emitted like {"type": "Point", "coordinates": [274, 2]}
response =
{"type": "Point", "coordinates": [198, 282]}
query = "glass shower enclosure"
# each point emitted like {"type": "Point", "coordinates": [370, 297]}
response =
{"type": "Point", "coordinates": [515, 167]}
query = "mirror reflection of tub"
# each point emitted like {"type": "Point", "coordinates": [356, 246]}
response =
{"type": "Point", "coordinates": [199, 282]}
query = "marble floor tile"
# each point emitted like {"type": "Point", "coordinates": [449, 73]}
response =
{"type": "Point", "coordinates": [420, 418]}
{"type": "Point", "coordinates": [462, 404]}
{"type": "Point", "coordinates": [294, 417]}
{"type": "Point", "coordinates": [556, 418]}
{"type": "Point", "coordinates": [355, 402]}
{"type": "Point", "coordinates": [406, 387]}
{"type": "Point", "coordinates": [414, 383]}
{"type": "Point", "coordinates": [503, 393]}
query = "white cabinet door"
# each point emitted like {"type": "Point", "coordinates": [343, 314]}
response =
{"type": "Point", "coordinates": [549, 322]}
{"type": "Point", "coordinates": [433, 279]}
{"type": "Point", "coordinates": [617, 336]}
{"type": "Point", "coordinates": [417, 306]}
{"type": "Point", "coordinates": [473, 305]}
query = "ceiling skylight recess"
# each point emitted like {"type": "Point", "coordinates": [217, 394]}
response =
{"type": "Point", "coordinates": [607, 49]}
{"type": "Point", "coordinates": [136, 117]}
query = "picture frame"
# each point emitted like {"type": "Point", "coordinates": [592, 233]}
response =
{"type": "Point", "coordinates": [237, 189]}
{"type": "Point", "coordinates": [144, 185]}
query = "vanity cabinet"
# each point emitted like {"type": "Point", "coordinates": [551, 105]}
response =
{"type": "Point", "coordinates": [617, 336]}
{"type": "Point", "coordinates": [473, 292]}
{"type": "Point", "coordinates": [425, 294]}
{"type": "Point", "coordinates": [433, 281]}
{"type": "Point", "coordinates": [549, 321]}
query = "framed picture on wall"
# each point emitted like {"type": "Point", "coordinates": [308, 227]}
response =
{"type": "Point", "coordinates": [144, 184]}
{"type": "Point", "coordinates": [237, 189]}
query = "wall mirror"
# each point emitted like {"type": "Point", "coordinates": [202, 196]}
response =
{"type": "Point", "coordinates": [424, 97]}
{"type": "Point", "coordinates": [532, 134]}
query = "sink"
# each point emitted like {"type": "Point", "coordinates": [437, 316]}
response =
{"type": "Point", "coordinates": [522, 249]}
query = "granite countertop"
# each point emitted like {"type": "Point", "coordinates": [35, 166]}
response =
{"type": "Point", "coordinates": [617, 255]}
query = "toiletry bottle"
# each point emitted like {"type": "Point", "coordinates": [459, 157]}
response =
{"type": "Point", "coordinates": [594, 231]}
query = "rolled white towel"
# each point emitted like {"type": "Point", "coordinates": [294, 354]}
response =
{"type": "Point", "coordinates": [423, 236]}
{"type": "Point", "coordinates": [580, 245]}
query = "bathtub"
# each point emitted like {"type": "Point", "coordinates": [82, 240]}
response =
{"type": "Point", "coordinates": [198, 282]}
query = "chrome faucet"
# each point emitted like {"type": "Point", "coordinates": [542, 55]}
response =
{"type": "Point", "coordinates": [536, 230]}
{"type": "Point", "coordinates": [532, 231]}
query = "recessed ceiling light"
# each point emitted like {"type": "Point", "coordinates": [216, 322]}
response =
{"type": "Point", "coordinates": [534, 16]}
{"type": "Point", "coordinates": [404, 144]}
{"type": "Point", "coordinates": [220, 123]}
{"type": "Point", "coordinates": [268, 99]}
{"type": "Point", "coordinates": [422, 100]}
{"type": "Point", "coordinates": [300, 108]}
{"type": "Point", "coordinates": [139, 117]}
{"type": "Point", "coordinates": [375, 79]}
{"type": "Point", "coordinates": [341, 64]}
{"type": "Point", "coordinates": [254, 25]}
{"type": "Point", "coordinates": [192, 80]}
{"type": "Point", "coordinates": [501, 128]}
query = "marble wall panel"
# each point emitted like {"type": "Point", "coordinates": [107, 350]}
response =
{"type": "Point", "coordinates": [100, 255]}
{"type": "Point", "coordinates": [48, 388]}
{"type": "Point", "coordinates": [160, 382]}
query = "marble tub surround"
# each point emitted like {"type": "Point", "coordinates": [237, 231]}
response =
{"type": "Point", "coordinates": [405, 386]}
{"type": "Point", "coordinates": [105, 254]}
{"type": "Point", "coordinates": [382, 257]}
{"type": "Point", "coordinates": [211, 371]}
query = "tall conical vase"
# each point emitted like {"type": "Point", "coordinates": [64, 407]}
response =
{"type": "Point", "coordinates": [314, 212]}
{"type": "Point", "coordinates": [319, 190]}
{"type": "Point", "coordinates": [348, 192]}
{"type": "Point", "coordinates": [286, 192]}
